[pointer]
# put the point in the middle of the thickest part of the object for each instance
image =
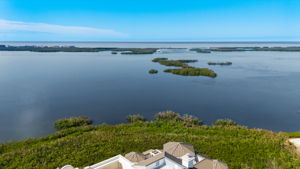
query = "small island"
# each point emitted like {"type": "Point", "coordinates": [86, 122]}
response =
{"type": "Point", "coordinates": [201, 50]}
{"type": "Point", "coordinates": [220, 63]}
{"type": "Point", "coordinates": [176, 63]}
{"type": "Point", "coordinates": [152, 71]}
{"type": "Point", "coordinates": [185, 69]}
{"type": "Point", "coordinates": [192, 72]}
{"type": "Point", "coordinates": [140, 51]}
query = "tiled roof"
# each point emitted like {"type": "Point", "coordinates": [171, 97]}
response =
{"type": "Point", "coordinates": [179, 149]}
{"type": "Point", "coordinates": [151, 160]}
{"type": "Point", "coordinates": [135, 156]}
{"type": "Point", "coordinates": [210, 164]}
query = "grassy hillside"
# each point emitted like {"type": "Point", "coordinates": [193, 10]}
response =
{"type": "Point", "coordinates": [238, 146]}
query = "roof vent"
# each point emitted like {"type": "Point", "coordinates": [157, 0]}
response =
{"type": "Point", "coordinates": [188, 160]}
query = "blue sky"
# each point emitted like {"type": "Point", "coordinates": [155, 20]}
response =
{"type": "Point", "coordinates": [150, 20]}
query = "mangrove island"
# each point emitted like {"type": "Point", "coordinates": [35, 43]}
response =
{"type": "Point", "coordinates": [185, 69]}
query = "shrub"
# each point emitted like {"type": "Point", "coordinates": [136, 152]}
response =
{"type": "Point", "coordinates": [190, 120]}
{"type": "Point", "coordinates": [132, 118]}
{"type": "Point", "coordinates": [167, 116]}
{"type": "Point", "coordinates": [225, 122]}
{"type": "Point", "coordinates": [69, 122]}
{"type": "Point", "coordinates": [153, 71]}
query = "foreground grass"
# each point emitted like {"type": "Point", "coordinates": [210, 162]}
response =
{"type": "Point", "coordinates": [294, 134]}
{"type": "Point", "coordinates": [238, 146]}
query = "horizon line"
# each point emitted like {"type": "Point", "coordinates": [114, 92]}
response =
{"type": "Point", "coordinates": [179, 41]}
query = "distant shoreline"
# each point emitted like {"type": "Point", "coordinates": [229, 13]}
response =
{"type": "Point", "coordinates": [140, 50]}
{"type": "Point", "coordinates": [246, 42]}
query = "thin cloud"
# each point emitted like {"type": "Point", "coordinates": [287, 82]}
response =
{"type": "Point", "coordinates": [15, 26]}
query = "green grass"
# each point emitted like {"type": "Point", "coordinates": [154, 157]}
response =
{"type": "Point", "coordinates": [237, 146]}
{"type": "Point", "coordinates": [294, 134]}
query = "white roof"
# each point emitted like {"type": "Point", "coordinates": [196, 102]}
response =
{"type": "Point", "coordinates": [295, 141]}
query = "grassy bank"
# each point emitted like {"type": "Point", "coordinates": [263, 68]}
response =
{"type": "Point", "coordinates": [238, 146]}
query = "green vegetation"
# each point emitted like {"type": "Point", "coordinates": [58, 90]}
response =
{"type": "Point", "coordinates": [185, 70]}
{"type": "Point", "coordinates": [166, 62]}
{"type": "Point", "coordinates": [225, 122]}
{"type": "Point", "coordinates": [294, 134]}
{"type": "Point", "coordinates": [201, 50]}
{"type": "Point", "coordinates": [241, 49]}
{"type": "Point", "coordinates": [133, 118]}
{"type": "Point", "coordinates": [153, 71]}
{"type": "Point", "coordinates": [192, 72]}
{"type": "Point", "coordinates": [69, 122]}
{"type": "Point", "coordinates": [230, 49]}
{"type": "Point", "coordinates": [167, 116]}
{"type": "Point", "coordinates": [77, 49]}
{"type": "Point", "coordinates": [159, 59]}
{"type": "Point", "coordinates": [171, 116]}
{"type": "Point", "coordinates": [190, 120]}
{"type": "Point", "coordinates": [140, 51]}
{"type": "Point", "coordinates": [220, 63]}
{"type": "Point", "coordinates": [53, 49]}
{"type": "Point", "coordinates": [176, 63]}
{"type": "Point", "coordinates": [238, 146]}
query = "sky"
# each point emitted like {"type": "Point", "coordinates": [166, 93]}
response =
{"type": "Point", "coordinates": [149, 20]}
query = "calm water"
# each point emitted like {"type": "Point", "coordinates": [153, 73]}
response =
{"type": "Point", "coordinates": [260, 89]}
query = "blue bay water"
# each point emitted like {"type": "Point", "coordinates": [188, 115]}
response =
{"type": "Point", "coordinates": [260, 89]}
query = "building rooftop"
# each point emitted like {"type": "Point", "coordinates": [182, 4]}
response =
{"type": "Point", "coordinates": [210, 164]}
{"type": "Point", "coordinates": [135, 156]}
{"type": "Point", "coordinates": [151, 160]}
{"type": "Point", "coordinates": [179, 149]}
{"type": "Point", "coordinates": [177, 155]}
